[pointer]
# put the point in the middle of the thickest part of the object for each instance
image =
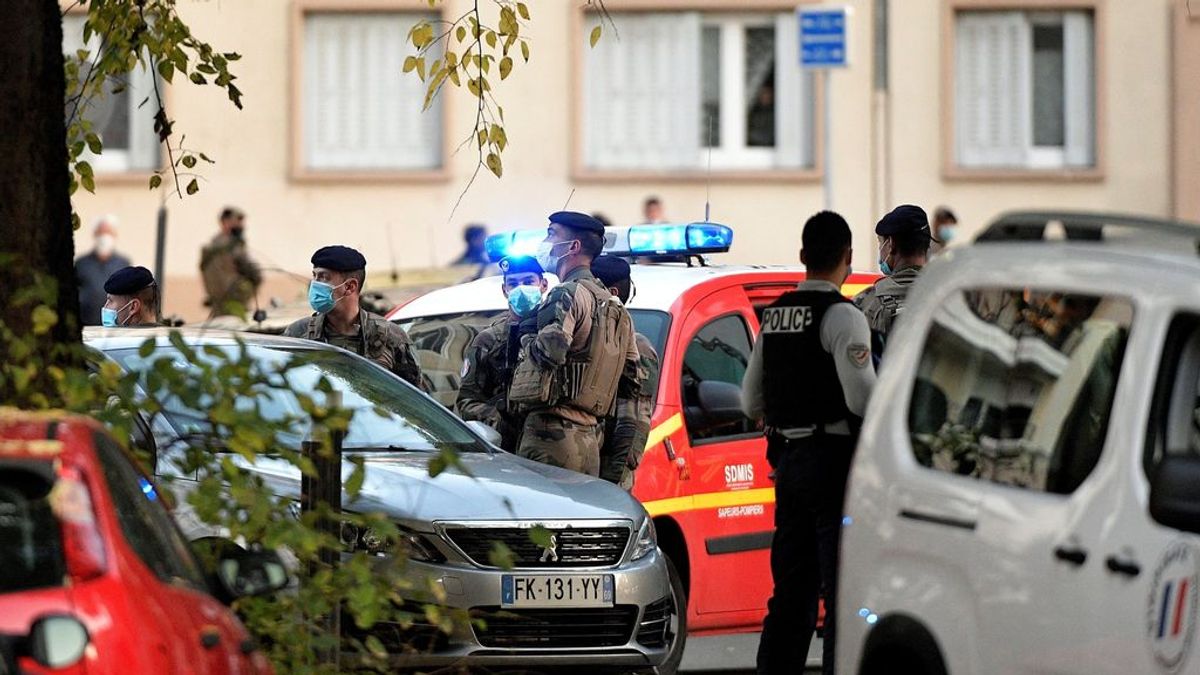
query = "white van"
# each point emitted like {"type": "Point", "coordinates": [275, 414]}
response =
{"type": "Point", "coordinates": [1026, 494]}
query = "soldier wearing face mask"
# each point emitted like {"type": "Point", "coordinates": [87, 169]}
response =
{"type": "Point", "coordinates": [131, 299]}
{"type": "Point", "coordinates": [337, 282]}
{"type": "Point", "coordinates": [487, 370]}
{"type": "Point", "coordinates": [578, 354]}
{"type": "Point", "coordinates": [93, 269]}
{"type": "Point", "coordinates": [903, 250]}
{"type": "Point", "coordinates": [231, 277]}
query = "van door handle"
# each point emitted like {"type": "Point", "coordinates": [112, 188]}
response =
{"type": "Point", "coordinates": [937, 519]}
{"type": "Point", "coordinates": [1076, 556]}
{"type": "Point", "coordinates": [1125, 566]}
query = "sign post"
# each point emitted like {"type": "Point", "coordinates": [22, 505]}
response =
{"type": "Point", "coordinates": [823, 47]}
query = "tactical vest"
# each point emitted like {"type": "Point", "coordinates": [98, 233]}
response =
{"type": "Point", "coordinates": [800, 381]}
{"type": "Point", "coordinates": [588, 381]}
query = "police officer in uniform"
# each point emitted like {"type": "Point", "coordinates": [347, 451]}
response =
{"type": "Point", "coordinates": [338, 275]}
{"type": "Point", "coordinates": [809, 376]}
{"type": "Point", "coordinates": [577, 355]}
{"type": "Point", "coordinates": [131, 299]}
{"type": "Point", "coordinates": [626, 431]}
{"type": "Point", "coordinates": [487, 371]}
{"type": "Point", "coordinates": [903, 250]}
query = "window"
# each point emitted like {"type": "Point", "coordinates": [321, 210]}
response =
{"type": "Point", "coordinates": [676, 83]}
{"type": "Point", "coordinates": [124, 120]}
{"type": "Point", "coordinates": [1016, 386]}
{"type": "Point", "coordinates": [146, 525]}
{"type": "Point", "coordinates": [1024, 90]}
{"type": "Point", "coordinates": [716, 355]}
{"type": "Point", "coordinates": [1175, 415]}
{"type": "Point", "coordinates": [361, 112]}
{"type": "Point", "coordinates": [32, 553]}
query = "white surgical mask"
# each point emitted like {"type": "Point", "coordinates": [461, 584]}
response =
{"type": "Point", "coordinates": [105, 244]}
{"type": "Point", "coordinates": [545, 255]}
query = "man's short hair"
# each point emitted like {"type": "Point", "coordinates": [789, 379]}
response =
{"type": "Point", "coordinates": [943, 215]}
{"type": "Point", "coordinates": [825, 240]}
{"type": "Point", "coordinates": [652, 201]}
{"type": "Point", "coordinates": [591, 244]}
{"type": "Point", "coordinates": [358, 275]}
{"type": "Point", "coordinates": [911, 244]}
{"type": "Point", "coordinates": [231, 212]}
{"type": "Point", "coordinates": [149, 297]}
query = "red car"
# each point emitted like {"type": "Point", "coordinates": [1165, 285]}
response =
{"type": "Point", "coordinates": [94, 575]}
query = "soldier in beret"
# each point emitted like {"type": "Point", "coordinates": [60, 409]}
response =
{"type": "Point", "coordinates": [338, 276]}
{"type": "Point", "coordinates": [577, 352]}
{"type": "Point", "coordinates": [131, 299]}
{"type": "Point", "coordinates": [904, 240]}
{"type": "Point", "coordinates": [487, 371]}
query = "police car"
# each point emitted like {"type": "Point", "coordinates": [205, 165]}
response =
{"type": "Point", "coordinates": [704, 476]}
{"type": "Point", "coordinates": [1025, 496]}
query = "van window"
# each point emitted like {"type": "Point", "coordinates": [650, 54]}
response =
{"type": "Point", "coordinates": [719, 352]}
{"type": "Point", "coordinates": [1016, 386]}
{"type": "Point", "coordinates": [1175, 415]}
{"type": "Point", "coordinates": [31, 550]}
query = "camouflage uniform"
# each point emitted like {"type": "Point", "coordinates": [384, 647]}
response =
{"type": "Point", "coordinates": [230, 276]}
{"type": "Point", "coordinates": [486, 373]}
{"type": "Point", "coordinates": [558, 433]}
{"type": "Point", "coordinates": [883, 302]}
{"type": "Point", "coordinates": [378, 339]}
{"type": "Point", "coordinates": [625, 433]}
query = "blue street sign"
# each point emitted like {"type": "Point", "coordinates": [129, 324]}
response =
{"type": "Point", "coordinates": [823, 37]}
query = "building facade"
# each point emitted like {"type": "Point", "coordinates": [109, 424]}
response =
{"type": "Point", "coordinates": [979, 105]}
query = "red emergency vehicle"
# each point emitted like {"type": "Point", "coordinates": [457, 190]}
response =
{"type": "Point", "coordinates": [704, 476]}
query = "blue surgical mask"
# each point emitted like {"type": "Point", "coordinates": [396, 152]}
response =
{"type": "Point", "coordinates": [885, 268]}
{"type": "Point", "coordinates": [524, 299]}
{"type": "Point", "coordinates": [110, 317]}
{"type": "Point", "coordinates": [320, 296]}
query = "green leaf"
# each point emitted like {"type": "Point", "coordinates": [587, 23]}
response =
{"type": "Point", "coordinates": [461, 33]}
{"type": "Point", "coordinates": [147, 348]}
{"type": "Point", "coordinates": [166, 69]}
{"type": "Point", "coordinates": [197, 78]}
{"type": "Point", "coordinates": [421, 68]}
{"type": "Point", "coordinates": [595, 36]}
{"type": "Point", "coordinates": [44, 319]}
{"type": "Point", "coordinates": [437, 464]}
{"type": "Point", "coordinates": [490, 39]}
{"type": "Point", "coordinates": [355, 482]}
{"type": "Point", "coordinates": [540, 536]}
{"type": "Point", "coordinates": [506, 65]}
{"type": "Point", "coordinates": [525, 50]}
{"type": "Point", "coordinates": [88, 183]}
{"type": "Point", "coordinates": [375, 647]}
{"type": "Point", "coordinates": [189, 161]}
{"type": "Point", "coordinates": [523, 10]}
{"type": "Point", "coordinates": [93, 143]}
{"type": "Point", "coordinates": [193, 187]}
{"type": "Point", "coordinates": [84, 169]}
{"type": "Point", "coordinates": [155, 181]}
{"type": "Point", "coordinates": [498, 137]}
{"type": "Point", "coordinates": [410, 63]}
{"type": "Point", "coordinates": [494, 165]}
{"type": "Point", "coordinates": [482, 137]}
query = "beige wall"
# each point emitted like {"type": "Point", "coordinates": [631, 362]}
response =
{"type": "Point", "coordinates": [288, 219]}
{"type": "Point", "coordinates": [1185, 145]}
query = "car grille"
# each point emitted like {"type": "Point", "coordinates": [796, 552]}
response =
{"type": "Point", "coordinates": [420, 637]}
{"type": "Point", "coordinates": [654, 629]}
{"type": "Point", "coordinates": [576, 547]}
{"type": "Point", "coordinates": [555, 628]}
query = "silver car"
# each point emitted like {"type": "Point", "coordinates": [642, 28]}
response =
{"type": "Point", "coordinates": [597, 595]}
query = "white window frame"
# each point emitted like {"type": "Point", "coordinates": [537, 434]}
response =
{"type": "Point", "coordinates": [1080, 149]}
{"type": "Point", "coordinates": [428, 160]}
{"type": "Point", "coordinates": [733, 153]}
{"type": "Point", "coordinates": [143, 154]}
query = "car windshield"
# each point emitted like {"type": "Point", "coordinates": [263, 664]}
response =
{"type": "Point", "coordinates": [442, 342]}
{"type": "Point", "coordinates": [388, 414]}
{"type": "Point", "coordinates": [31, 552]}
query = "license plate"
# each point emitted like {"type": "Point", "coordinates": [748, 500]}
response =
{"type": "Point", "coordinates": [558, 590]}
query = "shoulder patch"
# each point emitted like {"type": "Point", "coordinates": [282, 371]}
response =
{"type": "Point", "coordinates": [859, 354]}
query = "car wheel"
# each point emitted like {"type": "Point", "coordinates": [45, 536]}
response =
{"type": "Point", "coordinates": [678, 622]}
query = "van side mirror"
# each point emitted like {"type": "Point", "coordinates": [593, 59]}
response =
{"type": "Point", "coordinates": [720, 403]}
{"type": "Point", "coordinates": [1174, 499]}
{"type": "Point", "coordinates": [244, 574]}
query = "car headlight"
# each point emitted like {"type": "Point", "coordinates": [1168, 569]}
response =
{"type": "Point", "coordinates": [416, 546]}
{"type": "Point", "coordinates": [647, 540]}
{"type": "Point", "coordinates": [420, 548]}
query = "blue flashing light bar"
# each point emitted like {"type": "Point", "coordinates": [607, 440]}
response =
{"type": "Point", "coordinates": [521, 242]}
{"type": "Point", "coordinates": [665, 240]}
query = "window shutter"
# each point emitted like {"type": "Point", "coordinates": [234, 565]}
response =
{"type": "Point", "coordinates": [143, 142]}
{"type": "Point", "coordinates": [360, 111]}
{"type": "Point", "coordinates": [993, 61]}
{"type": "Point", "coordinates": [1079, 81]}
{"type": "Point", "coordinates": [793, 98]}
{"type": "Point", "coordinates": [642, 94]}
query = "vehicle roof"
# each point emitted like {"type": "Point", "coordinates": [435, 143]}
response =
{"type": "Point", "coordinates": [107, 339]}
{"type": "Point", "coordinates": [37, 434]}
{"type": "Point", "coordinates": [658, 287]}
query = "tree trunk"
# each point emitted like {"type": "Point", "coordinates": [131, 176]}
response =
{"type": "Point", "coordinates": [36, 245]}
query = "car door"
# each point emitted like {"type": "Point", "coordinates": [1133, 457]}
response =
{"type": "Point", "coordinates": [1012, 405]}
{"type": "Point", "coordinates": [1144, 573]}
{"type": "Point", "coordinates": [733, 495]}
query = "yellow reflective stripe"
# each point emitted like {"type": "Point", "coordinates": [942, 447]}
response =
{"type": "Point", "coordinates": [710, 500]}
{"type": "Point", "coordinates": [851, 290]}
{"type": "Point", "coordinates": [657, 434]}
